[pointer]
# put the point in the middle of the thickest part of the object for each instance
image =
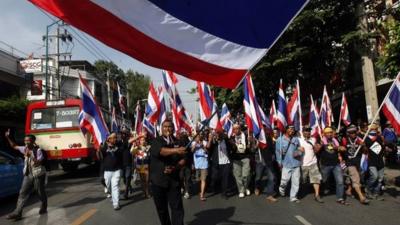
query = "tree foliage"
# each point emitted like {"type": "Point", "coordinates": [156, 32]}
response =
{"type": "Point", "coordinates": [13, 108]}
{"type": "Point", "coordinates": [132, 83]}
{"type": "Point", "coordinates": [389, 60]}
{"type": "Point", "coordinates": [317, 48]}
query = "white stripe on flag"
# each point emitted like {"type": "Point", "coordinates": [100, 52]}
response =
{"type": "Point", "coordinates": [164, 28]}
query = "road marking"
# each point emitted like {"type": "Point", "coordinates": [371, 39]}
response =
{"type": "Point", "coordinates": [84, 217]}
{"type": "Point", "coordinates": [302, 220]}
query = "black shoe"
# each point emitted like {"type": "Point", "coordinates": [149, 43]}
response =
{"type": "Point", "coordinates": [13, 216]}
{"type": "Point", "coordinates": [42, 211]}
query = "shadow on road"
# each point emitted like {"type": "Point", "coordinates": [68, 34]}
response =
{"type": "Point", "coordinates": [222, 217]}
{"type": "Point", "coordinates": [84, 201]}
{"type": "Point", "coordinates": [215, 216]}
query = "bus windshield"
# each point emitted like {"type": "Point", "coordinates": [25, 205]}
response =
{"type": "Point", "coordinates": [54, 118]}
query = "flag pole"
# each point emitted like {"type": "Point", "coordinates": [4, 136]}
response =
{"type": "Point", "coordinates": [340, 114]}
{"type": "Point", "coordinates": [300, 112]}
{"type": "Point", "coordinates": [377, 113]}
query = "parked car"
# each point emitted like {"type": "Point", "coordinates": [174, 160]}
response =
{"type": "Point", "coordinates": [11, 174]}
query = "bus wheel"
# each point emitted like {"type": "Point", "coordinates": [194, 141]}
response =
{"type": "Point", "coordinates": [69, 166]}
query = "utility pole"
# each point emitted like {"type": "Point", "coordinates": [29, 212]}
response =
{"type": "Point", "coordinates": [49, 79]}
{"type": "Point", "coordinates": [367, 67]}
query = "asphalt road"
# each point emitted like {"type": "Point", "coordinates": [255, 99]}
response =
{"type": "Point", "coordinates": [78, 198]}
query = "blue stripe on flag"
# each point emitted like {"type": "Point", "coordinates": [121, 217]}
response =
{"type": "Point", "coordinates": [394, 97]}
{"type": "Point", "coordinates": [90, 108]}
{"type": "Point", "coordinates": [234, 20]}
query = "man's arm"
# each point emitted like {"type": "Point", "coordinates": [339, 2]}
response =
{"type": "Point", "coordinates": [11, 142]}
{"type": "Point", "coordinates": [172, 151]}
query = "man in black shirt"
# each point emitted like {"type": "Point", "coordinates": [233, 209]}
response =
{"type": "Point", "coordinates": [329, 161]}
{"type": "Point", "coordinates": [112, 164]}
{"type": "Point", "coordinates": [166, 159]}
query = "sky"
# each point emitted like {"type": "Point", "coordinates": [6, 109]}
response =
{"type": "Point", "coordinates": [22, 26]}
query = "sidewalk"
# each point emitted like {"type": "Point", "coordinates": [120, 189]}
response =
{"type": "Point", "coordinates": [392, 176]}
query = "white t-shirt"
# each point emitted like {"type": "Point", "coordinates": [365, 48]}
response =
{"type": "Point", "coordinates": [222, 153]}
{"type": "Point", "coordinates": [309, 157]}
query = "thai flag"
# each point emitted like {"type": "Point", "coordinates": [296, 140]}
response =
{"type": "Point", "coordinates": [149, 126]}
{"type": "Point", "coordinates": [207, 106]}
{"type": "Point", "coordinates": [252, 113]}
{"type": "Point", "coordinates": [225, 121]}
{"type": "Point", "coordinates": [391, 105]}
{"type": "Point", "coordinates": [162, 114]}
{"type": "Point", "coordinates": [153, 105]}
{"type": "Point", "coordinates": [90, 118]}
{"type": "Point", "coordinates": [326, 115]}
{"type": "Point", "coordinates": [281, 113]}
{"type": "Point", "coordinates": [344, 112]}
{"type": "Point", "coordinates": [264, 119]}
{"type": "Point", "coordinates": [212, 41]}
{"type": "Point", "coordinates": [169, 82]}
{"type": "Point", "coordinates": [314, 120]}
{"type": "Point", "coordinates": [121, 100]}
{"type": "Point", "coordinates": [293, 110]}
{"type": "Point", "coordinates": [114, 122]}
{"type": "Point", "coordinates": [272, 114]}
{"type": "Point", "coordinates": [138, 118]}
{"type": "Point", "coordinates": [180, 115]}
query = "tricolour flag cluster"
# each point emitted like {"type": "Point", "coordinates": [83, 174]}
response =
{"type": "Point", "coordinates": [253, 112]}
{"type": "Point", "coordinates": [391, 105]}
{"type": "Point", "coordinates": [90, 118]}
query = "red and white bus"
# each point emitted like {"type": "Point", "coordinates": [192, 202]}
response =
{"type": "Point", "coordinates": [56, 127]}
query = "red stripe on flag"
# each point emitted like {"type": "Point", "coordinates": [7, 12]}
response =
{"type": "Point", "coordinates": [117, 34]}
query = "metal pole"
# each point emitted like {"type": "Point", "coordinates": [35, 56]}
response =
{"type": "Point", "coordinates": [108, 90]}
{"type": "Point", "coordinates": [47, 59]}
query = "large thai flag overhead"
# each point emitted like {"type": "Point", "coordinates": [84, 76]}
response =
{"type": "Point", "coordinates": [90, 118]}
{"type": "Point", "coordinates": [391, 105]}
{"type": "Point", "coordinates": [215, 41]}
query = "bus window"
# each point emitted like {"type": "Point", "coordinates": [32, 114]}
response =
{"type": "Point", "coordinates": [52, 118]}
{"type": "Point", "coordinates": [42, 119]}
{"type": "Point", "coordinates": [67, 117]}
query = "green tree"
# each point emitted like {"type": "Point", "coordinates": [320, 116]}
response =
{"type": "Point", "coordinates": [317, 48]}
{"type": "Point", "coordinates": [137, 86]}
{"type": "Point", "coordinates": [389, 60]}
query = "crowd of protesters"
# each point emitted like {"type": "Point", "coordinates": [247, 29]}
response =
{"type": "Point", "coordinates": [207, 162]}
{"type": "Point", "coordinates": [338, 162]}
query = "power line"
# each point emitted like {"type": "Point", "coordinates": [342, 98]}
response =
{"type": "Point", "coordinates": [93, 45]}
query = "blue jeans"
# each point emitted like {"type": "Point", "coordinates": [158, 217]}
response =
{"type": "Point", "coordinates": [375, 179]}
{"type": "Point", "coordinates": [261, 170]}
{"type": "Point", "coordinates": [338, 175]}
{"type": "Point", "coordinates": [293, 175]}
